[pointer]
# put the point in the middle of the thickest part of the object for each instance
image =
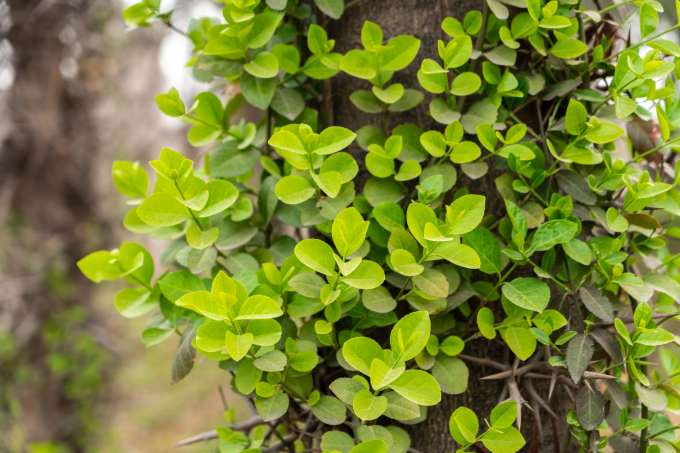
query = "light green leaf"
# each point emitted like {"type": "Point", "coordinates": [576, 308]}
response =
{"type": "Point", "coordinates": [418, 386]}
{"type": "Point", "coordinates": [552, 233]}
{"type": "Point", "coordinates": [464, 214]}
{"type": "Point", "coordinates": [259, 307]}
{"type": "Point", "coordinates": [409, 336]}
{"type": "Point", "coordinates": [369, 407]}
{"type": "Point", "coordinates": [293, 189]}
{"type": "Point", "coordinates": [162, 210]}
{"type": "Point", "coordinates": [238, 345]}
{"type": "Point", "coordinates": [367, 275]}
{"type": "Point", "coordinates": [521, 341]}
{"type": "Point", "coordinates": [359, 352]}
{"type": "Point", "coordinates": [528, 292]}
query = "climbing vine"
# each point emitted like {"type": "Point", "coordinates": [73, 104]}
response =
{"type": "Point", "coordinates": [340, 310]}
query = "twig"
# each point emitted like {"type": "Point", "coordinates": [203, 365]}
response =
{"type": "Point", "coordinates": [485, 362]}
{"type": "Point", "coordinates": [255, 421]}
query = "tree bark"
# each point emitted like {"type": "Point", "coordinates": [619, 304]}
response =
{"type": "Point", "coordinates": [423, 19]}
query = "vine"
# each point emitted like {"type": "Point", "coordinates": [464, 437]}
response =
{"type": "Point", "coordinates": [589, 211]}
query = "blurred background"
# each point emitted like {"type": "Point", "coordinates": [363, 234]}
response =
{"type": "Point", "coordinates": [76, 93]}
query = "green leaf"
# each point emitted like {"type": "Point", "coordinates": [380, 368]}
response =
{"type": "Point", "coordinates": [391, 94]}
{"type": "Point", "coordinates": [316, 39]}
{"type": "Point", "coordinates": [579, 353]}
{"type": "Point", "coordinates": [578, 251]}
{"type": "Point", "coordinates": [288, 57]}
{"type": "Point", "coordinates": [624, 106]}
{"type": "Point", "coordinates": [528, 292]}
{"type": "Point", "coordinates": [222, 194]}
{"type": "Point", "coordinates": [521, 341]}
{"type": "Point", "coordinates": [576, 118]}
{"type": "Point", "coordinates": [332, 140]}
{"type": "Point", "coordinates": [465, 152]}
{"type": "Point", "coordinates": [649, 19]}
{"type": "Point", "coordinates": [264, 65]}
{"type": "Point", "coordinates": [371, 35]}
{"type": "Point", "coordinates": [200, 260]}
{"type": "Point", "coordinates": [552, 233]}
{"type": "Point", "coordinates": [349, 231]}
{"type": "Point", "coordinates": [370, 446]}
{"type": "Point", "coordinates": [162, 210]}
{"type": "Point", "coordinates": [367, 275]}
{"type": "Point", "coordinates": [399, 408]}
{"type": "Point", "coordinates": [615, 221]}
{"type": "Point", "coordinates": [485, 244]}
{"type": "Point", "coordinates": [185, 355]}
{"type": "Point", "coordinates": [463, 426]}
{"type": "Point", "coordinates": [465, 84]}
{"type": "Point", "coordinates": [337, 441]}
{"type": "Point", "coordinates": [504, 415]}
{"type": "Point", "coordinates": [273, 407]}
{"type": "Point", "coordinates": [596, 303]}
{"type": "Point", "coordinates": [307, 284]}
{"type": "Point", "coordinates": [155, 335]}
{"type": "Point", "coordinates": [604, 133]}
{"type": "Point", "coordinates": [366, 101]}
{"type": "Point", "coordinates": [257, 91]}
{"type": "Point", "coordinates": [247, 377]}
{"type": "Point", "coordinates": [417, 386]}
{"type": "Point", "coordinates": [378, 300]}
{"type": "Point", "coordinates": [589, 408]}
{"type": "Point", "coordinates": [330, 410]}
{"type": "Point", "coordinates": [100, 266]}
{"type": "Point", "coordinates": [458, 254]}
{"type": "Point", "coordinates": [294, 189]}
{"type": "Point", "coordinates": [346, 389]}
{"type": "Point", "coordinates": [369, 407]}
{"type": "Point", "coordinates": [359, 353]}
{"type": "Point", "coordinates": [204, 303]}
{"type": "Point", "coordinates": [568, 49]}
{"type": "Point", "coordinates": [485, 322]}
{"type": "Point", "coordinates": [271, 361]}
{"type": "Point", "coordinates": [264, 26]}
{"type": "Point", "coordinates": [201, 239]}
{"type": "Point", "coordinates": [333, 9]}
{"type": "Point", "coordinates": [451, 373]}
{"type": "Point", "coordinates": [432, 282]}
{"type": "Point", "coordinates": [288, 103]}
{"type": "Point", "coordinates": [405, 264]}
{"type": "Point", "coordinates": [417, 216]}
{"type": "Point", "coordinates": [400, 52]}
{"type": "Point", "coordinates": [360, 63]}
{"type": "Point", "coordinates": [575, 186]}
{"type": "Point", "coordinates": [238, 345]}
{"type": "Point", "coordinates": [409, 336]}
{"type": "Point", "coordinates": [464, 214]}
{"type": "Point", "coordinates": [329, 182]}
{"type": "Point", "coordinates": [654, 399]}
{"type": "Point", "coordinates": [507, 440]}
{"type": "Point", "coordinates": [130, 178]}
{"type": "Point", "coordinates": [258, 307]}
{"type": "Point", "coordinates": [389, 215]}
{"type": "Point", "coordinates": [409, 100]}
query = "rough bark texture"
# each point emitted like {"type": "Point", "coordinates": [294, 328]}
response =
{"type": "Point", "coordinates": [422, 19]}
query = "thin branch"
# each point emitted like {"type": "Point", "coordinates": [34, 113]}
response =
{"type": "Point", "coordinates": [255, 421]}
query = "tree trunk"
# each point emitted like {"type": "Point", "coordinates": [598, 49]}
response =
{"type": "Point", "coordinates": [423, 19]}
{"type": "Point", "coordinates": [51, 367]}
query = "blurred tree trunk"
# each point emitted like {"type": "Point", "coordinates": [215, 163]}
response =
{"type": "Point", "coordinates": [423, 19]}
{"type": "Point", "coordinates": [51, 367]}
